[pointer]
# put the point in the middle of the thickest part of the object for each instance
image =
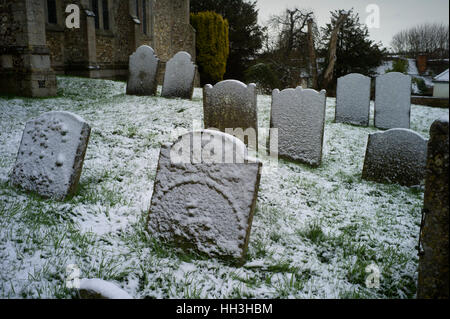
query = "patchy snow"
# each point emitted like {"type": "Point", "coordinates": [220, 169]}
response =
{"type": "Point", "coordinates": [106, 289]}
{"type": "Point", "coordinates": [313, 233]}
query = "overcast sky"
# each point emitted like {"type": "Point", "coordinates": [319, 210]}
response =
{"type": "Point", "coordinates": [395, 15]}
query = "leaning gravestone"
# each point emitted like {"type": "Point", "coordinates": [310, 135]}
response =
{"type": "Point", "coordinates": [395, 156]}
{"type": "Point", "coordinates": [433, 261]}
{"type": "Point", "coordinates": [51, 155]}
{"type": "Point", "coordinates": [143, 69]}
{"type": "Point", "coordinates": [230, 107]}
{"type": "Point", "coordinates": [299, 115]}
{"type": "Point", "coordinates": [179, 77]}
{"type": "Point", "coordinates": [205, 195]}
{"type": "Point", "coordinates": [353, 99]}
{"type": "Point", "coordinates": [393, 101]}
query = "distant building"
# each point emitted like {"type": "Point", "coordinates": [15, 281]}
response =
{"type": "Point", "coordinates": [441, 85]}
{"type": "Point", "coordinates": [35, 43]}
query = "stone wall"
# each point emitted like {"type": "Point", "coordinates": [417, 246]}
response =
{"type": "Point", "coordinates": [24, 57]}
{"type": "Point", "coordinates": [105, 53]}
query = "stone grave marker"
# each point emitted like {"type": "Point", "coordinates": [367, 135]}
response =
{"type": "Point", "coordinates": [230, 106]}
{"type": "Point", "coordinates": [143, 69]}
{"type": "Point", "coordinates": [393, 101]}
{"type": "Point", "coordinates": [205, 194]}
{"type": "Point", "coordinates": [179, 77]}
{"type": "Point", "coordinates": [396, 156]}
{"type": "Point", "coordinates": [434, 238]}
{"type": "Point", "coordinates": [51, 155]}
{"type": "Point", "coordinates": [299, 115]}
{"type": "Point", "coordinates": [353, 99]}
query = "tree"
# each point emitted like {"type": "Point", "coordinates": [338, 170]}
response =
{"type": "Point", "coordinates": [212, 45]}
{"type": "Point", "coordinates": [245, 34]}
{"type": "Point", "coordinates": [354, 51]}
{"type": "Point", "coordinates": [286, 41]}
{"type": "Point", "coordinates": [429, 38]}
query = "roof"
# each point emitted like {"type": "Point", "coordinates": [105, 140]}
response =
{"type": "Point", "coordinates": [443, 77]}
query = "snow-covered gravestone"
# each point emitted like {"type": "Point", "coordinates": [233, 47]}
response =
{"type": "Point", "coordinates": [51, 155]}
{"type": "Point", "coordinates": [299, 116]}
{"type": "Point", "coordinates": [179, 77]}
{"type": "Point", "coordinates": [230, 107]}
{"type": "Point", "coordinates": [393, 101]}
{"type": "Point", "coordinates": [353, 99]}
{"type": "Point", "coordinates": [396, 156]}
{"type": "Point", "coordinates": [143, 69]}
{"type": "Point", "coordinates": [205, 194]}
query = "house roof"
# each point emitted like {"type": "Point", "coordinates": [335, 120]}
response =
{"type": "Point", "coordinates": [443, 77]}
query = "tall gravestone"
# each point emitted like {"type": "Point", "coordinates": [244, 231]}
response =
{"type": "Point", "coordinates": [230, 106]}
{"type": "Point", "coordinates": [395, 156]}
{"type": "Point", "coordinates": [143, 70]}
{"type": "Point", "coordinates": [299, 116]}
{"type": "Point", "coordinates": [353, 99]}
{"type": "Point", "coordinates": [51, 155]}
{"type": "Point", "coordinates": [393, 101]}
{"type": "Point", "coordinates": [205, 194]}
{"type": "Point", "coordinates": [179, 77]}
{"type": "Point", "coordinates": [434, 259]}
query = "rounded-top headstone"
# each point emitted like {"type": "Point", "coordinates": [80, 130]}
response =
{"type": "Point", "coordinates": [393, 101]}
{"type": "Point", "coordinates": [143, 70]}
{"type": "Point", "coordinates": [179, 77]}
{"type": "Point", "coordinates": [205, 195]}
{"type": "Point", "coordinates": [51, 155]}
{"type": "Point", "coordinates": [353, 99]}
{"type": "Point", "coordinates": [231, 104]}
{"type": "Point", "coordinates": [396, 156]}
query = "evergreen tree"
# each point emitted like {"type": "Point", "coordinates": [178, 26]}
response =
{"type": "Point", "coordinates": [212, 45]}
{"type": "Point", "coordinates": [244, 32]}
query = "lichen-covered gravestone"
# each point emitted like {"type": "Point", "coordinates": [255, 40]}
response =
{"type": "Point", "coordinates": [230, 106]}
{"type": "Point", "coordinates": [396, 156]}
{"type": "Point", "coordinates": [143, 69]}
{"type": "Point", "coordinates": [434, 261]}
{"type": "Point", "coordinates": [353, 99]}
{"type": "Point", "coordinates": [299, 116]}
{"type": "Point", "coordinates": [179, 77]}
{"type": "Point", "coordinates": [51, 155]}
{"type": "Point", "coordinates": [393, 101]}
{"type": "Point", "coordinates": [205, 195]}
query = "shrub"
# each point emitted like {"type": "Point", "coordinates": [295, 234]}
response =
{"type": "Point", "coordinates": [399, 65]}
{"type": "Point", "coordinates": [212, 45]}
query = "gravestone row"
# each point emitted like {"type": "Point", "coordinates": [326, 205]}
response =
{"type": "Point", "coordinates": [143, 70]}
{"type": "Point", "coordinates": [392, 100]}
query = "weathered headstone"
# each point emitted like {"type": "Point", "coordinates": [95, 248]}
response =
{"type": "Point", "coordinates": [230, 106]}
{"type": "Point", "coordinates": [205, 195]}
{"type": "Point", "coordinates": [396, 156]}
{"type": "Point", "coordinates": [393, 101]}
{"type": "Point", "coordinates": [353, 99]}
{"type": "Point", "coordinates": [299, 115]}
{"type": "Point", "coordinates": [51, 155]}
{"type": "Point", "coordinates": [179, 77]}
{"type": "Point", "coordinates": [434, 257]}
{"type": "Point", "coordinates": [143, 69]}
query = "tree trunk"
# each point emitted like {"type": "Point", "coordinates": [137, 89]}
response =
{"type": "Point", "coordinates": [328, 77]}
{"type": "Point", "coordinates": [312, 55]}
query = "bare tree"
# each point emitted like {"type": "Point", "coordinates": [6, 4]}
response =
{"type": "Point", "coordinates": [328, 77]}
{"type": "Point", "coordinates": [430, 38]}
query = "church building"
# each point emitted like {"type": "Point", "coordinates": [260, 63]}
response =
{"type": "Point", "coordinates": [36, 44]}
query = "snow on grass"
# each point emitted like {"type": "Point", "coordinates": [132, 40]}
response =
{"type": "Point", "coordinates": [314, 230]}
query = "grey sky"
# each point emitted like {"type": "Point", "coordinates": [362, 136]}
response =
{"type": "Point", "coordinates": [395, 15]}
